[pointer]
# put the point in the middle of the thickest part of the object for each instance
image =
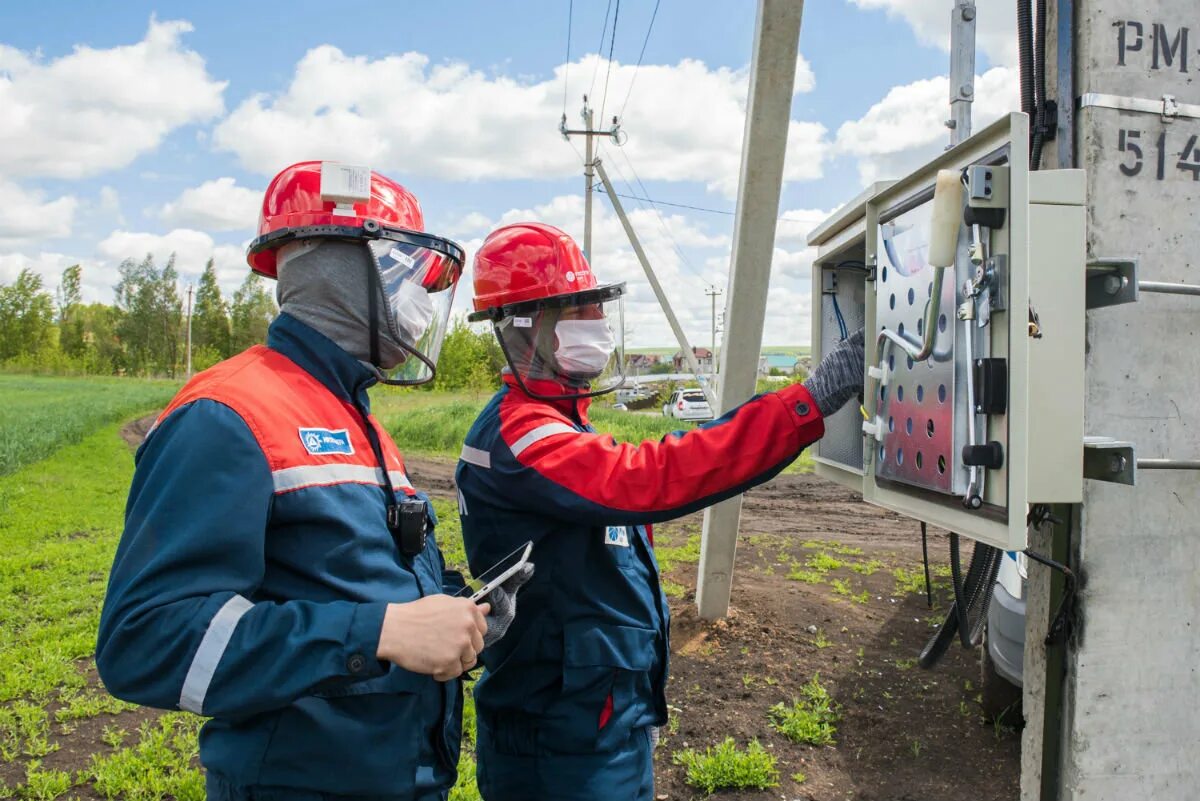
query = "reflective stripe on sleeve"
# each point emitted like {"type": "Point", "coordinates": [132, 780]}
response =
{"type": "Point", "coordinates": [540, 433]}
{"type": "Point", "coordinates": [476, 456]}
{"type": "Point", "coordinates": [208, 655]}
{"type": "Point", "coordinates": [315, 475]}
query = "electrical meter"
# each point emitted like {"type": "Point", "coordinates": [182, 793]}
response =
{"type": "Point", "coordinates": [968, 277]}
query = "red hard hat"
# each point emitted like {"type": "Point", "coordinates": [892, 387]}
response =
{"type": "Point", "coordinates": [294, 199]}
{"type": "Point", "coordinates": [528, 261]}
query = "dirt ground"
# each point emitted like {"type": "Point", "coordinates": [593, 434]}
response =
{"type": "Point", "coordinates": [905, 734]}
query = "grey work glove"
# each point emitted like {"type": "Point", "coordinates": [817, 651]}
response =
{"type": "Point", "coordinates": [655, 736]}
{"type": "Point", "coordinates": [839, 376]}
{"type": "Point", "coordinates": [504, 604]}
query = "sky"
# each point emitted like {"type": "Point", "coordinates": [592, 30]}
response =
{"type": "Point", "coordinates": [131, 128]}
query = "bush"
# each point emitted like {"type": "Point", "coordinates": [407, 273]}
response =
{"type": "Point", "coordinates": [724, 767]}
{"type": "Point", "coordinates": [809, 719]}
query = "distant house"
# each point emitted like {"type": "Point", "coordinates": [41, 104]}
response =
{"type": "Point", "coordinates": [779, 362]}
{"type": "Point", "coordinates": [642, 362]}
{"type": "Point", "coordinates": [703, 355]}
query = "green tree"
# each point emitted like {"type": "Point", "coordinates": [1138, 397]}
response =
{"type": "Point", "coordinates": [252, 310]}
{"type": "Point", "coordinates": [102, 350]}
{"type": "Point", "coordinates": [26, 317]}
{"type": "Point", "coordinates": [469, 360]}
{"type": "Point", "coordinates": [151, 315]}
{"type": "Point", "coordinates": [70, 298]}
{"type": "Point", "coordinates": [210, 316]}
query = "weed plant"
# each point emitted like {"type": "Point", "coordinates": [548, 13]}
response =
{"type": "Point", "coordinates": [725, 767]}
{"type": "Point", "coordinates": [809, 719]}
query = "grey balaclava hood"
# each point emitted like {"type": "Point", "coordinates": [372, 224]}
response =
{"type": "Point", "coordinates": [323, 283]}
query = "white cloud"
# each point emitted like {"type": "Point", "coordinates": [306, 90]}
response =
{"type": "Point", "coordinates": [684, 284]}
{"type": "Point", "coordinates": [192, 250]}
{"type": "Point", "coordinates": [906, 128]}
{"type": "Point", "coordinates": [218, 205]}
{"type": "Point", "coordinates": [450, 121]}
{"type": "Point", "coordinates": [25, 217]}
{"type": "Point", "coordinates": [995, 24]}
{"type": "Point", "coordinates": [97, 110]}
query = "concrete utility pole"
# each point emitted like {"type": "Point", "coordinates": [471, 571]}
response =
{"type": "Point", "coordinates": [189, 332]}
{"type": "Point", "coordinates": [962, 69]}
{"type": "Point", "coordinates": [688, 354]}
{"type": "Point", "coordinates": [589, 133]}
{"type": "Point", "coordinates": [768, 112]}
{"type": "Point", "coordinates": [712, 293]}
{"type": "Point", "coordinates": [1111, 714]}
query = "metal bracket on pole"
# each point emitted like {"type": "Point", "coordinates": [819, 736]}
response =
{"type": "Point", "coordinates": [680, 337]}
{"type": "Point", "coordinates": [1166, 106]}
{"type": "Point", "coordinates": [1111, 282]}
{"type": "Point", "coordinates": [962, 70]}
{"type": "Point", "coordinates": [1106, 459]}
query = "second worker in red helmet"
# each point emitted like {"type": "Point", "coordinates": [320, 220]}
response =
{"type": "Point", "coordinates": [569, 701]}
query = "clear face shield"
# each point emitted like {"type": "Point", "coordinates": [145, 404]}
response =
{"type": "Point", "coordinates": [417, 275]}
{"type": "Point", "coordinates": [574, 341]}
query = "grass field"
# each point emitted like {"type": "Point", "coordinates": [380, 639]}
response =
{"type": "Point", "coordinates": [431, 424]}
{"type": "Point", "coordinates": [64, 475]}
{"type": "Point", "coordinates": [40, 413]}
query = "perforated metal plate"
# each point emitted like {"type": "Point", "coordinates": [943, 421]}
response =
{"type": "Point", "coordinates": [918, 405]}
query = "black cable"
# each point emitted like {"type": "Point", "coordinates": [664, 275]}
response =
{"type": "Point", "coordinates": [925, 562]}
{"type": "Point", "coordinates": [1025, 54]}
{"type": "Point", "coordinates": [1039, 87]}
{"type": "Point", "coordinates": [567, 63]}
{"type": "Point", "coordinates": [608, 71]}
{"type": "Point", "coordinates": [641, 55]}
{"type": "Point", "coordinates": [599, 49]}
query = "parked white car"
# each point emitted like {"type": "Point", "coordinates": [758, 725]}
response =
{"type": "Point", "coordinates": [689, 405]}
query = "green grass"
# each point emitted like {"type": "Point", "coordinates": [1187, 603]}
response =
{"type": "Point", "coordinates": [809, 719]}
{"type": "Point", "coordinates": [436, 423]}
{"type": "Point", "coordinates": [60, 520]}
{"type": "Point", "coordinates": [725, 767]}
{"type": "Point", "coordinates": [42, 413]}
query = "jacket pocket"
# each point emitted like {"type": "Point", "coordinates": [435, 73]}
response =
{"type": "Point", "coordinates": [601, 660]}
{"type": "Point", "coordinates": [377, 725]}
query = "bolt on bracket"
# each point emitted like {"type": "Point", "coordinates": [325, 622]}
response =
{"type": "Point", "coordinates": [1107, 459]}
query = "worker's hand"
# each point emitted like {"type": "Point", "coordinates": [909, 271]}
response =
{"type": "Point", "coordinates": [839, 376]}
{"type": "Point", "coordinates": [504, 604]}
{"type": "Point", "coordinates": [439, 635]}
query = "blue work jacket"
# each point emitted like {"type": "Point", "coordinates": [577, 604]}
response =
{"type": "Point", "coordinates": [254, 571]}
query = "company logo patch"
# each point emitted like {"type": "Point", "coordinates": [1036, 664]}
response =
{"type": "Point", "coordinates": [322, 441]}
{"type": "Point", "coordinates": [616, 535]}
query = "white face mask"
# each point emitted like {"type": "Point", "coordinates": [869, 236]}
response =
{"type": "Point", "coordinates": [584, 347]}
{"type": "Point", "coordinates": [412, 309]}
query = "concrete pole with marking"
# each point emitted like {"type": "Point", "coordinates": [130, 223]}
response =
{"type": "Point", "coordinates": [764, 144]}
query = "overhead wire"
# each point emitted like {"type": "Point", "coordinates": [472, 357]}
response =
{"type": "Point", "coordinates": [567, 63]}
{"type": "Point", "coordinates": [599, 50]}
{"type": "Point", "coordinates": [688, 270]}
{"type": "Point", "coordinates": [641, 55]}
{"type": "Point", "coordinates": [608, 70]}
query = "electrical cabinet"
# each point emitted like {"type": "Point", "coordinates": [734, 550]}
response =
{"type": "Point", "coordinates": [973, 407]}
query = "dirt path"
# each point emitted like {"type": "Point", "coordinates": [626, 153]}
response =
{"type": "Point", "coordinates": [905, 733]}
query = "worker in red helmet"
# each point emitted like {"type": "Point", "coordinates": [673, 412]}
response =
{"type": "Point", "coordinates": [278, 572]}
{"type": "Point", "coordinates": [569, 701]}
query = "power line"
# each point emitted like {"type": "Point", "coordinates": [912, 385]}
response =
{"type": "Point", "coordinates": [567, 63]}
{"type": "Point", "coordinates": [640, 57]}
{"type": "Point", "coordinates": [654, 202]}
{"type": "Point", "coordinates": [688, 271]}
{"type": "Point", "coordinates": [599, 50]}
{"type": "Point", "coordinates": [608, 71]}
